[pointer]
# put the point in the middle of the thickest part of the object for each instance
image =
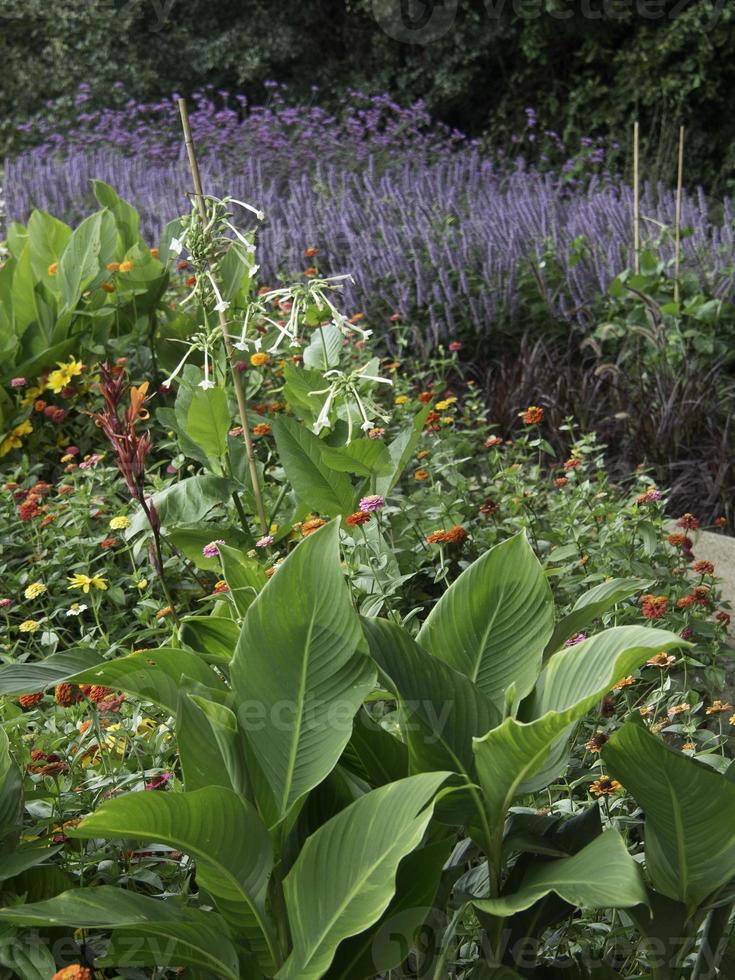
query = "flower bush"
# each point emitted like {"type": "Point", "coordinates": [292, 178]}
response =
{"type": "Point", "coordinates": [310, 670]}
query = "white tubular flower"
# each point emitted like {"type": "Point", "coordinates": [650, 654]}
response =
{"type": "Point", "coordinates": [177, 370]}
{"type": "Point", "coordinates": [206, 383]}
{"type": "Point", "coordinates": [221, 305]}
{"type": "Point", "coordinates": [249, 207]}
{"type": "Point", "coordinates": [176, 245]}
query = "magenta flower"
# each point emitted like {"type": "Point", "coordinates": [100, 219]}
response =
{"type": "Point", "coordinates": [264, 541]}
{"type": "Point", "coordinates": [372, 503]}
{"type": "Point", "coordinates": [5, 603]}
{"type": "Point", "coordinates": [159, 782]}
{"type": "Point", "coordinates": [455, 345]}
{"type": "Point", "coordinates": [211, 550]}
{"type": "Point", "coordinates": [18, 382]}
{"type": "Point", "coordinates": [574, 640]}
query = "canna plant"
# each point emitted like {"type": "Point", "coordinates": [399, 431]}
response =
{"type": "Point", "coordinates": [343, 777]}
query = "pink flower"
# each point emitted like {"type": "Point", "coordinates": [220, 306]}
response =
{"type": "Point", "coordinates": [92, 461]}
{"type": "Point", "coordinates": [5, 603]}
{"type": "Point", "coordinates": [372, 503]}
{"type": "Point", "coordinates": [18, 383]}
{"type": "Point", "coordinates": [211, 550]}
{"type": "Point", "coordinates": [376, 433]}
{"type": "Point", "coordinates": [455, 345]}
{"type": "Point", "coordinates": [159, 782]}
{"type": "Point", "coordinates": [240, 366]}
{"type": "Point", "coordinates": [574, 640]}
{"type": "Point", "coordinates": [264, 541]}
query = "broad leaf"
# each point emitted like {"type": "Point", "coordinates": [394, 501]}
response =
{"type": "Point", "coordinates": [168, 933]}
{"type": "Point", "coordinates": [208, 421]}
{"type": "Point", "coordinates": [297, 670]}
{"type": "Point", "coordinates": [574, 680]}
{"type": "Point", "coordinates": [590, 606]}
{"type": "Point", "coordinates": [315, 483]}
{"type": "Point", "coordinates": [344, 877]}
{"type": "Point", "coordinates": [26, 678]}
{"type": "Point", "coordinates": [209, 743]}
{"type": "Point", "coordinates": [364, 457]}
{"type": "Point", "coordinates": [401, 451]}
{"type": "Point", "coordinates": [244, 577]}
{"type": "Point", "coordinates": [689, 831]}
{"type": "Point", "coordinates": [385, 945]}
{"type": "Point", "coordinates": [442, 710]}
{"type": "Point", "coordinates": [493, 622]}
{"type": "Point", "coordinates": [214, 637]}
{"type": "Point", "coordinates": [126, 217]}
{"type": "Point", "coordinates": [377, 756]}
{"type": "Point", "coordinates": [11, 796]}
{"type": "Point", "coordinates": [217, 827]}
{"type": "Point", "coordinates": [601, 875]}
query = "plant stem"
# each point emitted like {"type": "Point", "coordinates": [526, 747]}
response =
{"type": "Point", "coordinates": [239, 393]}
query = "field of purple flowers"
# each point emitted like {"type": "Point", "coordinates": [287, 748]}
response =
{"type": "Point", "coordinates": [430, 225]}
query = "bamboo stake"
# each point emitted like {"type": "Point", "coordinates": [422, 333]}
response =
{"type": "Point", "coordinates": [239, 393]}
{"type": "Point", "coordinates": [636, 202]}
{"type": "Point", "coordinates": [677, 219]}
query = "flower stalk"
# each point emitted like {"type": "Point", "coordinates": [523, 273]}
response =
{"type": "Point", "coordinates": [239, 392]}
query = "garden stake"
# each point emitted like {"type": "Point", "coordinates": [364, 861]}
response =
{"type": "Point", "coordinates": [677, 219]}
{"type": "Point", "coordinates": [636, 203]}
{"type": "Point", "coordinates": [239, 393]}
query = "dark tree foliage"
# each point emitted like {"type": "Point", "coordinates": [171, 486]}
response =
{"type": "Point", "coordinates": [588, 66]}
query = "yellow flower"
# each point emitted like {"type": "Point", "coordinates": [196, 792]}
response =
{"type": "Point", "coordinates": [14, 439]}
{"type": "Point", "coordinates": [34, 590]}
{"type": "Point", "coordinates": [119, 523]}
{"type": "Point", "coordinates": [259, 358]}
{"type": "Point", "coordinates": [142, 584]}
{"type": "Point", "coordinates": [400, 399]}
{"type": "Point", "coordinates": [29, 626]}
{"type": "Point", "coordinates": [127, 266]}
{"type": "Point", "coordinates": [53, 268]}
{"type": "Point", "coordinates": [146, 727]}
{"type": "Point", "coordinates": [31, 395]}
{"type": "Point", "coordinates": [444, 405]}
{"type": "Point", "coordinates": [447, 420]}
{"type": "Point", "coordinates": [63, 375]}
{"type": "Point", "coordinates": [114, 744]}
{"type": "Point", "coordinates": [85, 582]}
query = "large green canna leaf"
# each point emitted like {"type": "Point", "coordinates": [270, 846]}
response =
{"type": "Point", "coordinates": [577, 672]}
{"type": "Point", "coordinates": [373, 753]}
{"type": "Point", "coordinates": [315, 483]}
{"type": "Point", "coordinates": [689, 831]}
{"type": "Point", "coordinates": [25, 955]}
{"type": "Point", "coordinates": [217, 827]}
{"type": "Point", "coordinates": [575, 678]}
{"type": "Point", "coordinates": [126, 217]}
{"type": "Point", "coordinates": [11, 795]}
{"type": "Point", "coordinates": [153, 675]}
{"type": "Point", "coordinates": [493, 622]}
{"type": "Point", "coordinates": [210, 744]}
{"type": "Point", "coordinates": [244, 577]}
{"type": "Point", "coordinates": [442, 710]}
{"type": "Point", "coordinates": [47, 237]}
{"type": "Point", "coordinates": [345, 875]}
{"type": "Point", "coordinates": [590, 606]}
{"type": "Point", "coordinates": [384, 946]}
{"type": "Point", "coordinates": [214, 637]}
{"type": "Point", "coordinates": [297, 670]}
{"type": "Point", "coordinates": [517, 758]}
{"type": "Point", "coordinates": [167, 933]}
{"type": "Point", "coordinates": [92, 241]}
{"type": "Point", "coordinates": [601, 875]}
